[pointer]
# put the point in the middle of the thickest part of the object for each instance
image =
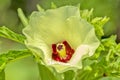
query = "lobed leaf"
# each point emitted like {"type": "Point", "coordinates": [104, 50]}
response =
{"type": "Point", "coordinates": [7, 33]}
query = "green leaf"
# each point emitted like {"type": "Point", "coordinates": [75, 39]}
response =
{"type": "Point", "coordinates": [2, 75]}
{"type": "Point", "coordinates": [45, 73]}
{"type": "Point", "coordinates": [7, 33]}
{"type": "Point", "coordinates": [98, 24]}
{"type": "Point", "coordinates": [12, 56]}
{"type": "Point", "coordinates": [86, 14]}
{"type": "Point", "coordinates": [69, 75]}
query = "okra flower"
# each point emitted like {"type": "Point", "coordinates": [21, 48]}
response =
{"type": "Point", "coordinates": [60, 37]}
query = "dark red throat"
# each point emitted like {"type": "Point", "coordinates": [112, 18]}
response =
{"type": "Point", "coordinates": [68, 51]}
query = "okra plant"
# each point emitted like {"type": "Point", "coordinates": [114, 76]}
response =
{"type": "Point", "coordinates": [67, 44]}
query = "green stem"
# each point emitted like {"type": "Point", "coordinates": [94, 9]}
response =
{"type": "Point", "coordinates": [22, 17]}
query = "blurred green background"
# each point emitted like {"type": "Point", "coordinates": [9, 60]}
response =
{"type": "Point", "coordinates": [26, 69]}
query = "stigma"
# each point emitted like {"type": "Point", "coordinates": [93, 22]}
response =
{"type": "Point", "coordinates": [62, 52]}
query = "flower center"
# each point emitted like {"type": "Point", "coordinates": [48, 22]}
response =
{"type": "Point", "coordinates": [62, 52]}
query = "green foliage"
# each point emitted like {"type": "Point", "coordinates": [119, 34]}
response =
{"type": "Point", "coordinates": [45, 73]}
{"type": "Point", "coordinates": [69, 75]}
{"type": "Point", "coordinates": [86, 14]}
{"type": "Point", "coordinates": [97, 22]}
{"type": "Point", "coordinates": [48, 74]}
{"type": "Point", "coordinates": [104, 63]}
{"type": "Point", "coordinates": [2, 75]}
{"type": "Point", "coordinates": [12, 56]}
{"type": "Point", "coordinates": [7, 33]}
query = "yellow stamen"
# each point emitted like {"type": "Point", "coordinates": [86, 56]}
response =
{"type": "Point", "coordinates": [61, 51]}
